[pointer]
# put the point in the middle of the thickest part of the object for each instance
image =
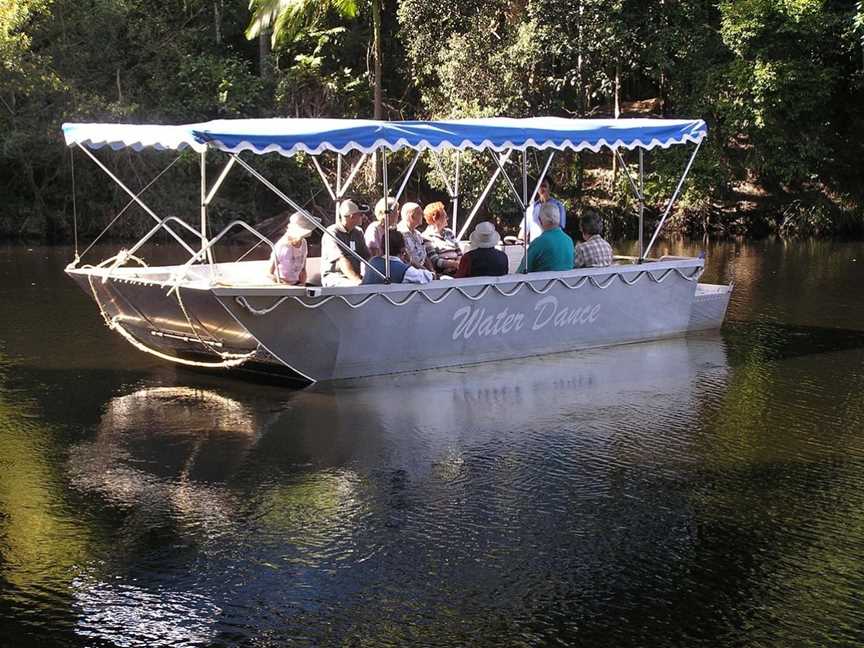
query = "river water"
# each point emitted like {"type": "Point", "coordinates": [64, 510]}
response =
{"type": "Point", "coordinates": [706, 491]}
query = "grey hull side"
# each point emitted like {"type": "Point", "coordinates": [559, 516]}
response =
{"type": "Point", "coordinates": [349, 333]}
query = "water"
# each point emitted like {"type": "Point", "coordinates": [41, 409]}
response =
{"type": "Point", "coordinates": [695, 492]}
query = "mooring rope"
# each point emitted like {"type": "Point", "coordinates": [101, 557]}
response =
{"type": "Point", "coordinates": [228, 360]}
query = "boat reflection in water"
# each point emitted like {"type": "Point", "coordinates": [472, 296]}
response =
{"type": "Point", "coordinates": [280, 503]}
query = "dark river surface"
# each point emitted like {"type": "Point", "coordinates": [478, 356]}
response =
{"type": "Point", "coordinates": [705, 491]}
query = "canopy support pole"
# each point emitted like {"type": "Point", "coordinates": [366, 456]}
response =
{"type": "Point", "coordinates": [216, 186]}
{"type": "Point", "coordinates": [204, 204]}
{"type": "Point", "coordinates": [671, 203]}
{"type": "Point", "coordinates": [408, 175]}
{"type": "Point", "coordinates": [456, 191]}
{"type": "Point", "coordinates": [386, 215]}
{"type": "Point", "coordinates": [504, 160]}
{"type": "Point", "coordinates": [338, 187]}
{"type": "Point", "coordinates": [74, 207]}
{"type": "Point", "coordinates": [638, 192]}
{"type": "Point", "coordinates": [526, 227]}
{"type": "Point", "coordinates": [137, 199]}
{"type": "Point", "coordinates": [641, 203]}
{"type": "Point", "coordinates": [323, 178]}
{"type": "Point", "coordinates": [350, 179]}
{"type": "Point", "coordinates": [524, 209]}
{"type": "Point", "coordinates": [509, 181]}
{"type": "Point", "coordinates": [302, 211]}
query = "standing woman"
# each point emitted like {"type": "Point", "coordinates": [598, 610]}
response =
{"type": "Point", "coordinates": [288, 260]}
{"type": "Point", "coordinates": [442, 248]}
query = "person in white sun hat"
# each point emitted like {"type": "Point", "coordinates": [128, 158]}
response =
{"type": "Point", "coordinates": [288, 260]}
{"type": "Point", "coordinates": [483, 260]}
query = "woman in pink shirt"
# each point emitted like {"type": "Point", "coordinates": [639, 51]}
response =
{"type": "Point", "coordinates": [288, 261]}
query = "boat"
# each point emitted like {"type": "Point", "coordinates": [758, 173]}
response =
{"type": "Point", "coordinates": [229, 315]}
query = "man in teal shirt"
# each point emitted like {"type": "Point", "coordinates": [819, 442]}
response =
{"type": "Point", "coordinates": [553, 249]}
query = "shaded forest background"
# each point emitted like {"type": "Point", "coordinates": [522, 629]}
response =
{"type": "Point", "coordinates": [778, 81]}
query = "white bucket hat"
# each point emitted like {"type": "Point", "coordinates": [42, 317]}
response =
{"type": "Point", "coordinates": [299, 226]}
{"type": "Point", "coordinates": [484, 236]}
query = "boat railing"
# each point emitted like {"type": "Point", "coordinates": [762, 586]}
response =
{"type": "Point", "coordinates": [181, 274]}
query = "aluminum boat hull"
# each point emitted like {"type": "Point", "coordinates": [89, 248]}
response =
{"type": "Point", "coordinates": [338, 333]}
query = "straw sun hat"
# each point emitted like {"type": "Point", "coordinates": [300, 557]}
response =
{"type": "Point", "coordinates": [299, 226]}
{"type": "Point", "coordinates": [484, 236]}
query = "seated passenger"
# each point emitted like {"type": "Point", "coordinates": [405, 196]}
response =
{"type": "Point", "coordinates": [594, 252]}
{"type": "Point", "coordinates": [553, 249]}
{"type": "Point", "coordinates": [288, 259]}
{"type": "Point", "coordinates": [532, 214]}
{"type": "Point", "coordinates": [375, 230]}
{"type": "Point", "coordinates": [415, 247]}
{"type": "Point", "coordinates": [338, 267]}
{"type": "Point", "coordinates": [442, 247]}
{"type": "Point", "coordinates": [483, 260]}
{"type": "Point", "coordinates": [400, 270]}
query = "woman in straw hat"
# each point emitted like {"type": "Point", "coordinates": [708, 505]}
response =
{"type": "Point", "coordinates": [288, 260]}
{"type": "Point", "coordinates": [483, 260]}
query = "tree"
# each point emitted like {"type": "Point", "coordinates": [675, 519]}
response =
{"type": "Point", "coordinates": [289, 19]}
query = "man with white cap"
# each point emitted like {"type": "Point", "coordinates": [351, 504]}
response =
{"type": "Point", "coordinates": [338, 267]}
{"type": "Point", "coordinates": [483, 260]}
{"type": "Point", "coordinates": [288, 260]}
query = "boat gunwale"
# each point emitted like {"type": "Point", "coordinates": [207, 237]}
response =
{"type": "Point", "coordinates": [268, 290]}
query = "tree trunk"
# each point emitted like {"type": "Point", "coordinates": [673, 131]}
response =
{"type": "Point", "coordinates": [217, 20]}
{"type": "Point", "coordinates": [579, 79]}
{"type": "Point", "coordinates": [265, 68]}
{"type": "Point", "coordinates": [376, 47]}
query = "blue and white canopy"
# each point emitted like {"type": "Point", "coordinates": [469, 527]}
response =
{"type": "Point", "coordinates": [291, 136]}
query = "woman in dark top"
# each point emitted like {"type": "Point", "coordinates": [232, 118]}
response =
{"type": "Point", "coordinates": [483, 260]}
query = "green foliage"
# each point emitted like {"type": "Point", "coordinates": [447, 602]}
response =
{"type": "Point", "coordinates": [289, 19]}
{"type": "Point", "coordinates": [780, 83]}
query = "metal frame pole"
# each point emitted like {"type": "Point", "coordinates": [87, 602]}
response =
{"type": "Point", "coordinates": [134, 197]}
{"type": "Point", "coordinates": [525, 209]}
{"type": "Point", "coordinates": [509, 181]}
{"type": "Point", "coordinates": [204, 203]}
{"type": "Point", "coordinates": [408, 175]}
{"type": "Point", "coordinates": [323, 177]}
{"type": "Point", "coordinates": [350, 178]}
{"type": "Point", "coordinates": [219, 182]}
{"type": "Point", "coordinates": [456, 191]}
{"type": "Point", "coordinates": [542, 177]}
{"type": "Point", "coordinates": [386, 215]}
{"type": "Point", "coordinates": [641, 202]}
{"type": "Point", "coordinates": [671, 202]}
{"type": "Point", "coordinates": [337, 200]}
{"type": "Point", "coordinates": [505, 159]}
{"type": "Point", "coordinates": [302, 211]}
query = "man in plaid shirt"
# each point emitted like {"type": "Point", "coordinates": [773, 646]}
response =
{"type": "Point", "coordinates": [595, 252]}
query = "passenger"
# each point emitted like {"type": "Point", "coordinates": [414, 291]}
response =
{"type": "Point", "coordinates": [288, 260]}
{"type": "Point", "coordinates": [338, 267]}
{"type": "Point", "coordinates": [533, 213]}
{"type": "Point", "coordinates": [412, 216]}
{"type": "Point", "coordinates": [553, 249]}
{"type": "Point", "coordinates": [595, 251]}
{"type": "Point", "coordinates": [400, 270]}
{"type": "Point", "coordinates": [483, 260]}
{"type": "Point", "coordinates": [442, 248]}
{"type": "Point", "coordinates": [375, 230]}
